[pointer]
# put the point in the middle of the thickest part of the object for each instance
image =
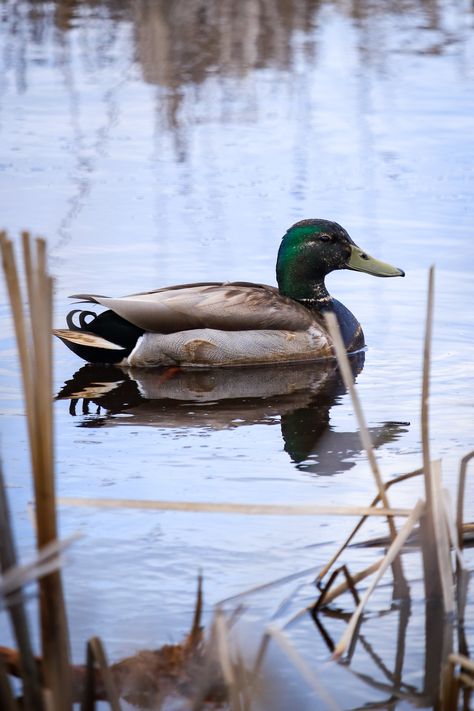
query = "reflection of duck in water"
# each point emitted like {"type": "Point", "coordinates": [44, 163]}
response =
{"type": "Point", "coordinates": [223, 324]}
{"type": "Point", "coordinates": [300, 398]}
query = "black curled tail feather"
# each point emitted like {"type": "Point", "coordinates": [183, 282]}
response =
{"type": "Point", "coordinates": [108, 326]}
{"type": "Point", "coordinates": [83, 325]}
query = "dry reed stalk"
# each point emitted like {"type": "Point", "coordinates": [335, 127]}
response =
{"type": "Point", "coordinates": [244, 681]}
{"type": "Point", "coordinates": [392, 552]}
{"type": "Point", "coordinates": [31, 682]}
{"type": "Point", "coordinates": [359, 524]}
{"type": "Point", "coordinates": [195, 634]}
{"type": "Point", "coordinates": [443, 549]}
{"type": "Point", "coordinates": [47, 561]}
{"type": "Point", "coordinates": [225, 660]}
{"type": "Point", "coordinates": [425, 394]}
{"type": "Point", "coordinates": [454, 682]}
{"type": "Point", "coordinates": [282, 641]}
{"type": "Point", "coordinates": [462, 661]}
{"type": "Point", "coordinates": [460, 502]}
{"type": "Point", "coordinates": [447, 506]}
{"type": "Point", "coordinates": [269, 585]}
{"type": "Point", "coordinates": [466, 680]}
{"type": "Point", "coordinates": [33, 336]}
{"type": "Point", "coordinates": [96, 654]}
{"type": "Point", "coordinates": [346, 372]}
{"type": "Point", "coordinates": [348, 582]}
{"type": "Point", "coordinates": [231, 508]}
{"type": "Point", "coordinates": [16, 307]}
{"type": "Point", "coordinates": [467, 532]}
{"type": "Point", "coordinates": [207, 676]}
{"type": "Point", "coordinates": [432, 575]}
{"type": "Point", "coordinates": [338, 590]}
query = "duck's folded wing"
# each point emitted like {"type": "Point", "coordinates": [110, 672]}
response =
{"type": "Point", "coordinates": [232, 306]}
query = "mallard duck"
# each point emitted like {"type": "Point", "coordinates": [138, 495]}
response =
{"type": "Point", "coordinates": [231, 323]}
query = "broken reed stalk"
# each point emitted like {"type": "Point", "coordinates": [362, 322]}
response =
{"type": "Point", "coordinates": [33, 335]}
{"type": "Point", "coordinates": [432, 575]}
{"type": "Point", "coordinates": [454, 682]}
{"type": "Point", "coordinates": [221, 636]}
{"type": "Point", "coordinates": [392, 553]}
{"type": "Point", "coordinates": [14, 600]}
{"type": "Point", "coordinates": [362, 520]}
{"type": "Point", "coordinates": [45, 562]}
{"type": "Point", "coordinates": [460, 502]}
{"type": "Point", "coordinates": [401, 586]}
{"type": "Point", "coordinates": [233, 508]}
{"type": "Point", "coordinates": [335, 591]}
{"type": "Point", "coordinates": [443, 548]}
{"type": "Point", "coordinates": [96, 654]}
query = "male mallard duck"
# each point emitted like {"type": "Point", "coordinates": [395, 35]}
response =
{"type": "Point", "coordinates": [232, 323]}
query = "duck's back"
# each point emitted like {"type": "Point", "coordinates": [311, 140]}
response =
{"type": "Point", "coordinates": [210, 324]}
{"type": "Point", "coordinates": [229, 306]}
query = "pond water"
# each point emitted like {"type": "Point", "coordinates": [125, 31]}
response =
{"type": "Point", "coordinates": [155, 143]}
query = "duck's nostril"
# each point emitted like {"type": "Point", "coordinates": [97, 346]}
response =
{"type": "Point", "coordinates": [364, 255]}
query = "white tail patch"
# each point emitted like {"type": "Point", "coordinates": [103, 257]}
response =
{"type": "Point", "coordinates": [84, 338]}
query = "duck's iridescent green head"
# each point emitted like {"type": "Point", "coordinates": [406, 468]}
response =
{"type": "Point", "coordinates": [311, 249]}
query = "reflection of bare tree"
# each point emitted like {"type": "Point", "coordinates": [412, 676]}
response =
{"type": "Point", "coordinates": [181, 42]}
{"type": "Point", "coordinates": [185, 41]}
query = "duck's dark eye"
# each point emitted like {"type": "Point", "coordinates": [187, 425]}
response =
{"type": "Point", "coordinates": [325, 238]}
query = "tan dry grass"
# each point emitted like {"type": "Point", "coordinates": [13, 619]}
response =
{"type": "Point", "coordinates": [33, 335]}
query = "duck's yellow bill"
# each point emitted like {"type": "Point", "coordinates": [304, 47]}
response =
{"type": "Point", "coordinates": [360, 261]}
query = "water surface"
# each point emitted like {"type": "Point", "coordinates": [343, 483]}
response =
{"type": "Point", "coordinates": [155, 143]}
